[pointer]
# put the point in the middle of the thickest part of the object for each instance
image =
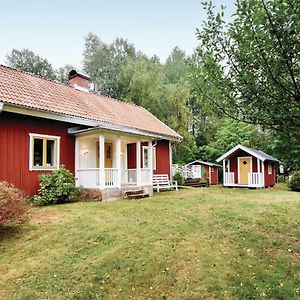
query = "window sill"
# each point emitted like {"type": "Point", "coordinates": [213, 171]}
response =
{"type": "Point", "coordinates": [43, 169]}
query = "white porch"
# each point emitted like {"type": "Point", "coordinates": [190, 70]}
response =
{"type": "Point", "coordinates": [101, 161]}
{"type": "Point", "coordinates": [232, 178]}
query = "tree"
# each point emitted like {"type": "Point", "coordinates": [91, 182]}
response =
{"type": "Point", "coordinates": [63, 73]}
{"type": "Point", "coordinates": [26, 60]}
{"type": "Point", "coordinates": [103, 62]}
{"type": "Point", "coordinates": [230, 134]}
{"type": "Point", "coordinates": [249, 69]}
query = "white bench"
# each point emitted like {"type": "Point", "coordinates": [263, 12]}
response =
{"type": "Point", "coordinates": [162, 182]}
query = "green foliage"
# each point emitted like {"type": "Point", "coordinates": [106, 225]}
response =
{"type": "Point", "coordinates": [56, 187]}
{"type": "Point", "coordinates": [228, 136]}
{"type": "Point", "coordinates": [294, 183]}
{"type": "Point", "coordinates": [179, 178]}
{"type": "Point", "coordinates": [12, 204]}
{"type": "Point", "coordinates": [103, 62]}
{"type": "Point", "coordinates": [26, 60]}
{"type": "Point", "coordinates": [249, 69]}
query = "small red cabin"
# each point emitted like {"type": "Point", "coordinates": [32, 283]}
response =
{"type": "Point", "coordinates": [199, 169]}
{"type": "Point", "coordinates": [248, 167]}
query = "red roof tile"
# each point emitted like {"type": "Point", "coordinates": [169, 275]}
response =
{"type": "Point", "coordinates": [26, 90]}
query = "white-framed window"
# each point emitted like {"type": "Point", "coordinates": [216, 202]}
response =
{"type": "Point", "coordinates": [145, 157]}
{"type": "Point", "coordinates": [44, 152]}
{"type": "Point", "coordinates": [270, 168]}
{"type": "Point", "coordinates": [154, 158]}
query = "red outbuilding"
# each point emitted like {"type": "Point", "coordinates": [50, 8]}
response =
{"type": "Point", "coordinates": [201, 170]}
{"type": "Point", "coordinates": [248, 167]}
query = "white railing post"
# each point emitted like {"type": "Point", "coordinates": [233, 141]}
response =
{"type": "Point", "coordinates": [150, 162]}
{"type": "Point", "coordinates": [118, 162]}
{"type": "Point", "coordinates": [77, 154]}
{"type": "Point", "coordinates": [138, 163]}
{"type": "Point", "coordinates": [263, 174]}
{"type": "Point", "coordinates": [258, 171]}
{"type": "Point", "coordinates": [102, 161]}
{"type": "Point", "coordinates": [224, 172]}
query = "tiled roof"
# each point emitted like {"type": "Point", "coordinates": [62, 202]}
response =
{"type": "Point", "coordinates": [254, 152]}
{"type": "Point", "coordinates": [30, 91]}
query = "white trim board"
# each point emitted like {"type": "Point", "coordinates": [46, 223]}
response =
{"type": "Point", "coordinates": [243, 148]}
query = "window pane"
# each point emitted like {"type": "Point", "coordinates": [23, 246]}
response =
{"type": "Point", "coordinates": [50, 153]}
{"type": "Point", "coordinates": [38, 152]}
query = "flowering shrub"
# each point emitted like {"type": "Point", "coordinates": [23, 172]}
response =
{"type": "Point", "coordinates": [56, 187]}
{"type": "Point", "coordinates": [12, 204]}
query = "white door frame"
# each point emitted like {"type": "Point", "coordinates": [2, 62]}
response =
{"type": "Point", "coordinates": [238, 161]}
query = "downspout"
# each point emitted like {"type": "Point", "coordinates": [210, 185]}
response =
{"type": "Point", "coordinates": [1, 107]}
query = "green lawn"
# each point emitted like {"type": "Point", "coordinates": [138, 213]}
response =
{"type": "Point", "coordinates": [203, 243]}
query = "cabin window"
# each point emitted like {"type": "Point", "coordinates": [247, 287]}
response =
{"type": "Point", "coordinates": [212, 169]}
{"type": "Point", "coordinates": [44, 152]}
{"type": "Point", "coordinates": [145, 157]}
{"type": "Point", "coordinates": [269, 168]}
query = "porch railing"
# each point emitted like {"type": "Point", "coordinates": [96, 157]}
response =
{"type": "Point", "coordinates": [255, 179]}
{"type": "Point", "coordinates": [90, 177]}
{"type": "Point", "coordinates": [131, 176]}
{"type": "Point", "coordinates": [146, 177]}
{"type": "Point", "coordinates": [111, 177]}
{"type": "Point", "coordinates": [229, 178]}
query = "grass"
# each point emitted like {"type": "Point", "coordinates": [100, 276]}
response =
{"type": "Point", "coordinates": [195, 244]}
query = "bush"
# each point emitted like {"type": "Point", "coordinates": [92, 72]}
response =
{"type": "Point", "coordinates": [179, 178]}
{"type": "Point", "coordinates": [294, 183]}
{"type": "Point", "coordinates": [56, 187]}
{"type": "Point", "coordinates": [12, 204]}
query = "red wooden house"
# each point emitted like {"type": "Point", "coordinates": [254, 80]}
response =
{"type": "Point", "coordinates": [248, 167]}
{"type": "Point", "coordinates": [108, 144]}
{"type": "Point", "coordinates": [199, 169]}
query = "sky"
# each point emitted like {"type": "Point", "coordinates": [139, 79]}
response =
{"type": "Point", "coordinates": [55, 29]}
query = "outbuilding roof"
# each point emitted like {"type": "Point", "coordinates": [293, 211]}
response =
{"type": "Point", "coordinates": [21, 89]}
{"type": "Point", "coordinates": [203, 163]}
{"type": "Point", "coordinates": [254, 152]}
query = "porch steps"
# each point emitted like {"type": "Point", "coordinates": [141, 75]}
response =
{"type": "Point", "coordinates": [195, 183]}
{"type": "Point", "coordinates": [135, 194]}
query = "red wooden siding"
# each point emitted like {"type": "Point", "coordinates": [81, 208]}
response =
{"type": "Point", "coordinates": [214, 175]}
{"type": "Point", "coordinates": [14, 148]}
{"type": "Point", "coordinates": [162, 157]}
{"type": "Point", "coordinates": [131, 156]}
{"type": "Point", "coordinates": [270, 179]}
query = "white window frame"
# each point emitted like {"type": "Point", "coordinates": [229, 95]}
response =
{"type": "Point", "coordinates": [270, 167]}
{"type": "Point", "coordinates": [145, 148]}
{"type": "Point", "coordinates": [154, 158]}
{"type": "Point", "coordinates": [31, 149]}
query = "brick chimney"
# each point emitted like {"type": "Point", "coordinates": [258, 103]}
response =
{"type": "Point", "coordinates": [79, 80]}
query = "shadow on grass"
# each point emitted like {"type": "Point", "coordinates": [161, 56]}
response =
{"type": "Point", "coordinates": [8, 232]}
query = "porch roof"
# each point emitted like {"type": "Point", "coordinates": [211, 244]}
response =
{"type": "Point", "coordinates": [32, 93]}
{"type": "Point", "coordinates": [254, 152]}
